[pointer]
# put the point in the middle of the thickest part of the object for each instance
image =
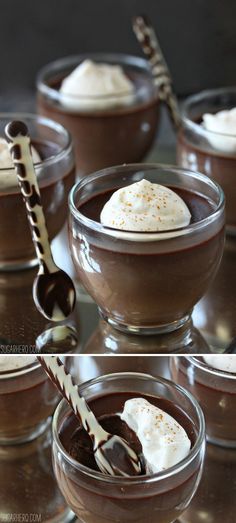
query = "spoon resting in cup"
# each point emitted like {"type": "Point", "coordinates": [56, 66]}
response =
{"type": "Point", "coordinates": [112, 453]}
{"type": "Point", "coordinates": [53, 290]}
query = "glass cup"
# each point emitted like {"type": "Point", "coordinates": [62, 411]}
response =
{"type": "Point", "coordinates": [208, 152]}
{"type": "Point", "coordinates": [56, 175]}
{"type": "Point", "coordinates": [27, 399]}
{"type": "Point", "coordinates": [106, 130]}
{"type": "Point", "coordinates": [145, 283]}
{"type": "Point", "coordinates": [216, 392]}
{"type": "Point", "coordinates": [161, 497]}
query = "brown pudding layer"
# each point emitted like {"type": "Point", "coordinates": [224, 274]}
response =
{"type": "Point", "coordinates": [148, 283]}
{"type": "Point", "coordinates": [109, 136]}
{"type": "Point", "coordinates": [217, 165]}
{"type": "Point", "coordinates": [26, 400]}
{"type": "Point", "coordinates": [145, 502]}
{"type": "Point", "coordinates": [217, 396]}
{"type": "Point", "coordinates": [15, 238]}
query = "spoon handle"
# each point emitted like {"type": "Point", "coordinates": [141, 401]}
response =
{"type": "Point", "coordinates": [69, 390]}
{"type": "Point", "coordinates": [19, 145]}
{"type": "Point", "coordinates": [146, 35]}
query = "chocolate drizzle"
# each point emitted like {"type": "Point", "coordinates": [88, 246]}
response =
{"type": "Point", "coordinates": [53, 292]}
{"type": "Point", "coordinates": [161, 75]}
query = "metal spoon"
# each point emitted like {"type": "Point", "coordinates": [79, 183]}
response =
{"type": "Point", "coordinates": [147, 37]}
{"type": "Point", "coordinates": [53, 290]}
{"type": "Point", "coordinates": [113, 455]}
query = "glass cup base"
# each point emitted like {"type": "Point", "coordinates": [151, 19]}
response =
{"type": "Point", "coordinates": [143, 330]}
{"type": "Point", "coordinates": [228, 444]}
{"type": "Point", "coordinates": [26, 437]}
{"type": "Point", "coordinates": [18, 265]}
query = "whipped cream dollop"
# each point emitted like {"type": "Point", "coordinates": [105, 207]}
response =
{"type": "Point", "coordinates": [164, 442]}
{"type": "Point", "coordinates": [8, 363]}
{"type": "Point", "coordinates": [224, 362]}
{"type": "Point", "coordinates": [224, 123]}
{"type": "Point", "coordinates": [8, 178]}
{"type": "Point", "coordinates": [145, 207]}
{"type": "Point", "coordinates": [94, 86]}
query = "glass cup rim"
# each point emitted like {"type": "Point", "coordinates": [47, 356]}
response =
{"type": "Point", "coordinates": [126, 59]}
{"type": "Point", "coordinates": [206, 368]}
{"type": "Point", "coordinates": [198, 97]}
{"type": "Point", "coordinates": [135, 235]}
{"type": "Point", "coordinates": [47, 122]}
{"type": "Point", "coordinates": [134, 479]}
{"type": "Point", "coordinates": [15, 373]}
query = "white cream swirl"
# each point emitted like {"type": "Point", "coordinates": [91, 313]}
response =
{"type": "Point", "coordinates": [145, 207]}
{"type": "Point", "coordinates": [8, 178]}
{"type": "Point", "coordinates": [94, 86]}
{"type": "Point", "coordinates": [224, 362]}
{"type": "Point", "coordinates": [164, 442]}
{"type": "Point", "coordinates": [220, 125]}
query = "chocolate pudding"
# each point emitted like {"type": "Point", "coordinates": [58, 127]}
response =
{"type": "Point", "coordinates": [216, 392]}
{"type": "Point", "coordinates": [108, 135]}
{"type": "Point", "coordinates": [27, 399]}
{"type": "Point", "coordinates": [202, 150]}
{"type": "Point", "coordinates": [148, 281]}
{"type": "Point", "coordinates": [92, 495]}
{"type": "Point", "coordinates": [56, 175]}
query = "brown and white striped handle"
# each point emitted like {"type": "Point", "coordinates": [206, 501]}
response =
{"type": "Point", "coordinates": [147, 37]}
{"type": "Point", "coordinates": [19, 145]}
{"type": "Point", "coordinates": [64, 382]}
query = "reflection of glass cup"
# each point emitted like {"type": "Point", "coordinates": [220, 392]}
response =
{"type": "Point", "coordinates": [99, 498]}
{"type": "Point", "coordinates": [215, 499]}
{"type": "Point", "coordinates": [185, 340]}
{"type": "Point", "coordinates": [28, 487]}
{"type": "Point", "coordinates": [145, 282]}
{"type": "Point", "coordinates": [211, 153]}
{"type": "Point", "coordinates": [20, 320]}
{"type": "Point", "coordinates": [27, 399]}
{"type": "Point", "coordinates": [216, 392]}
{"type": "Point", "coordinates": [56, 176]}
{"type": "Point", "coordinates": [215, 314]}
{"type": "Point", "coordinates": [106, 130]}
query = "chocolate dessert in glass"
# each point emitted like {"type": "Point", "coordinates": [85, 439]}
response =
{"type": "Point", "coordinates": [55, 169]}
{"type": "Point", "coordinates": [207, 142]}
{"type": "Point", "coordinates": [27, 399]}
{"type": "Point", "coordinates": [146, 241]}
{"type": "Point", "coordinates": [109, 104]}
{"type": "Point", "coordinates": [171, 471]}
{"type": "Point", "coordinates": [212, 380]}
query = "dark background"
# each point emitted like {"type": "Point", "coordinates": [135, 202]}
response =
{"type": "Point", "coordinates": [198, 38]}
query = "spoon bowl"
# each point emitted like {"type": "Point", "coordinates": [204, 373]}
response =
{"type": "Point", "coordinates": [54, 294]}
